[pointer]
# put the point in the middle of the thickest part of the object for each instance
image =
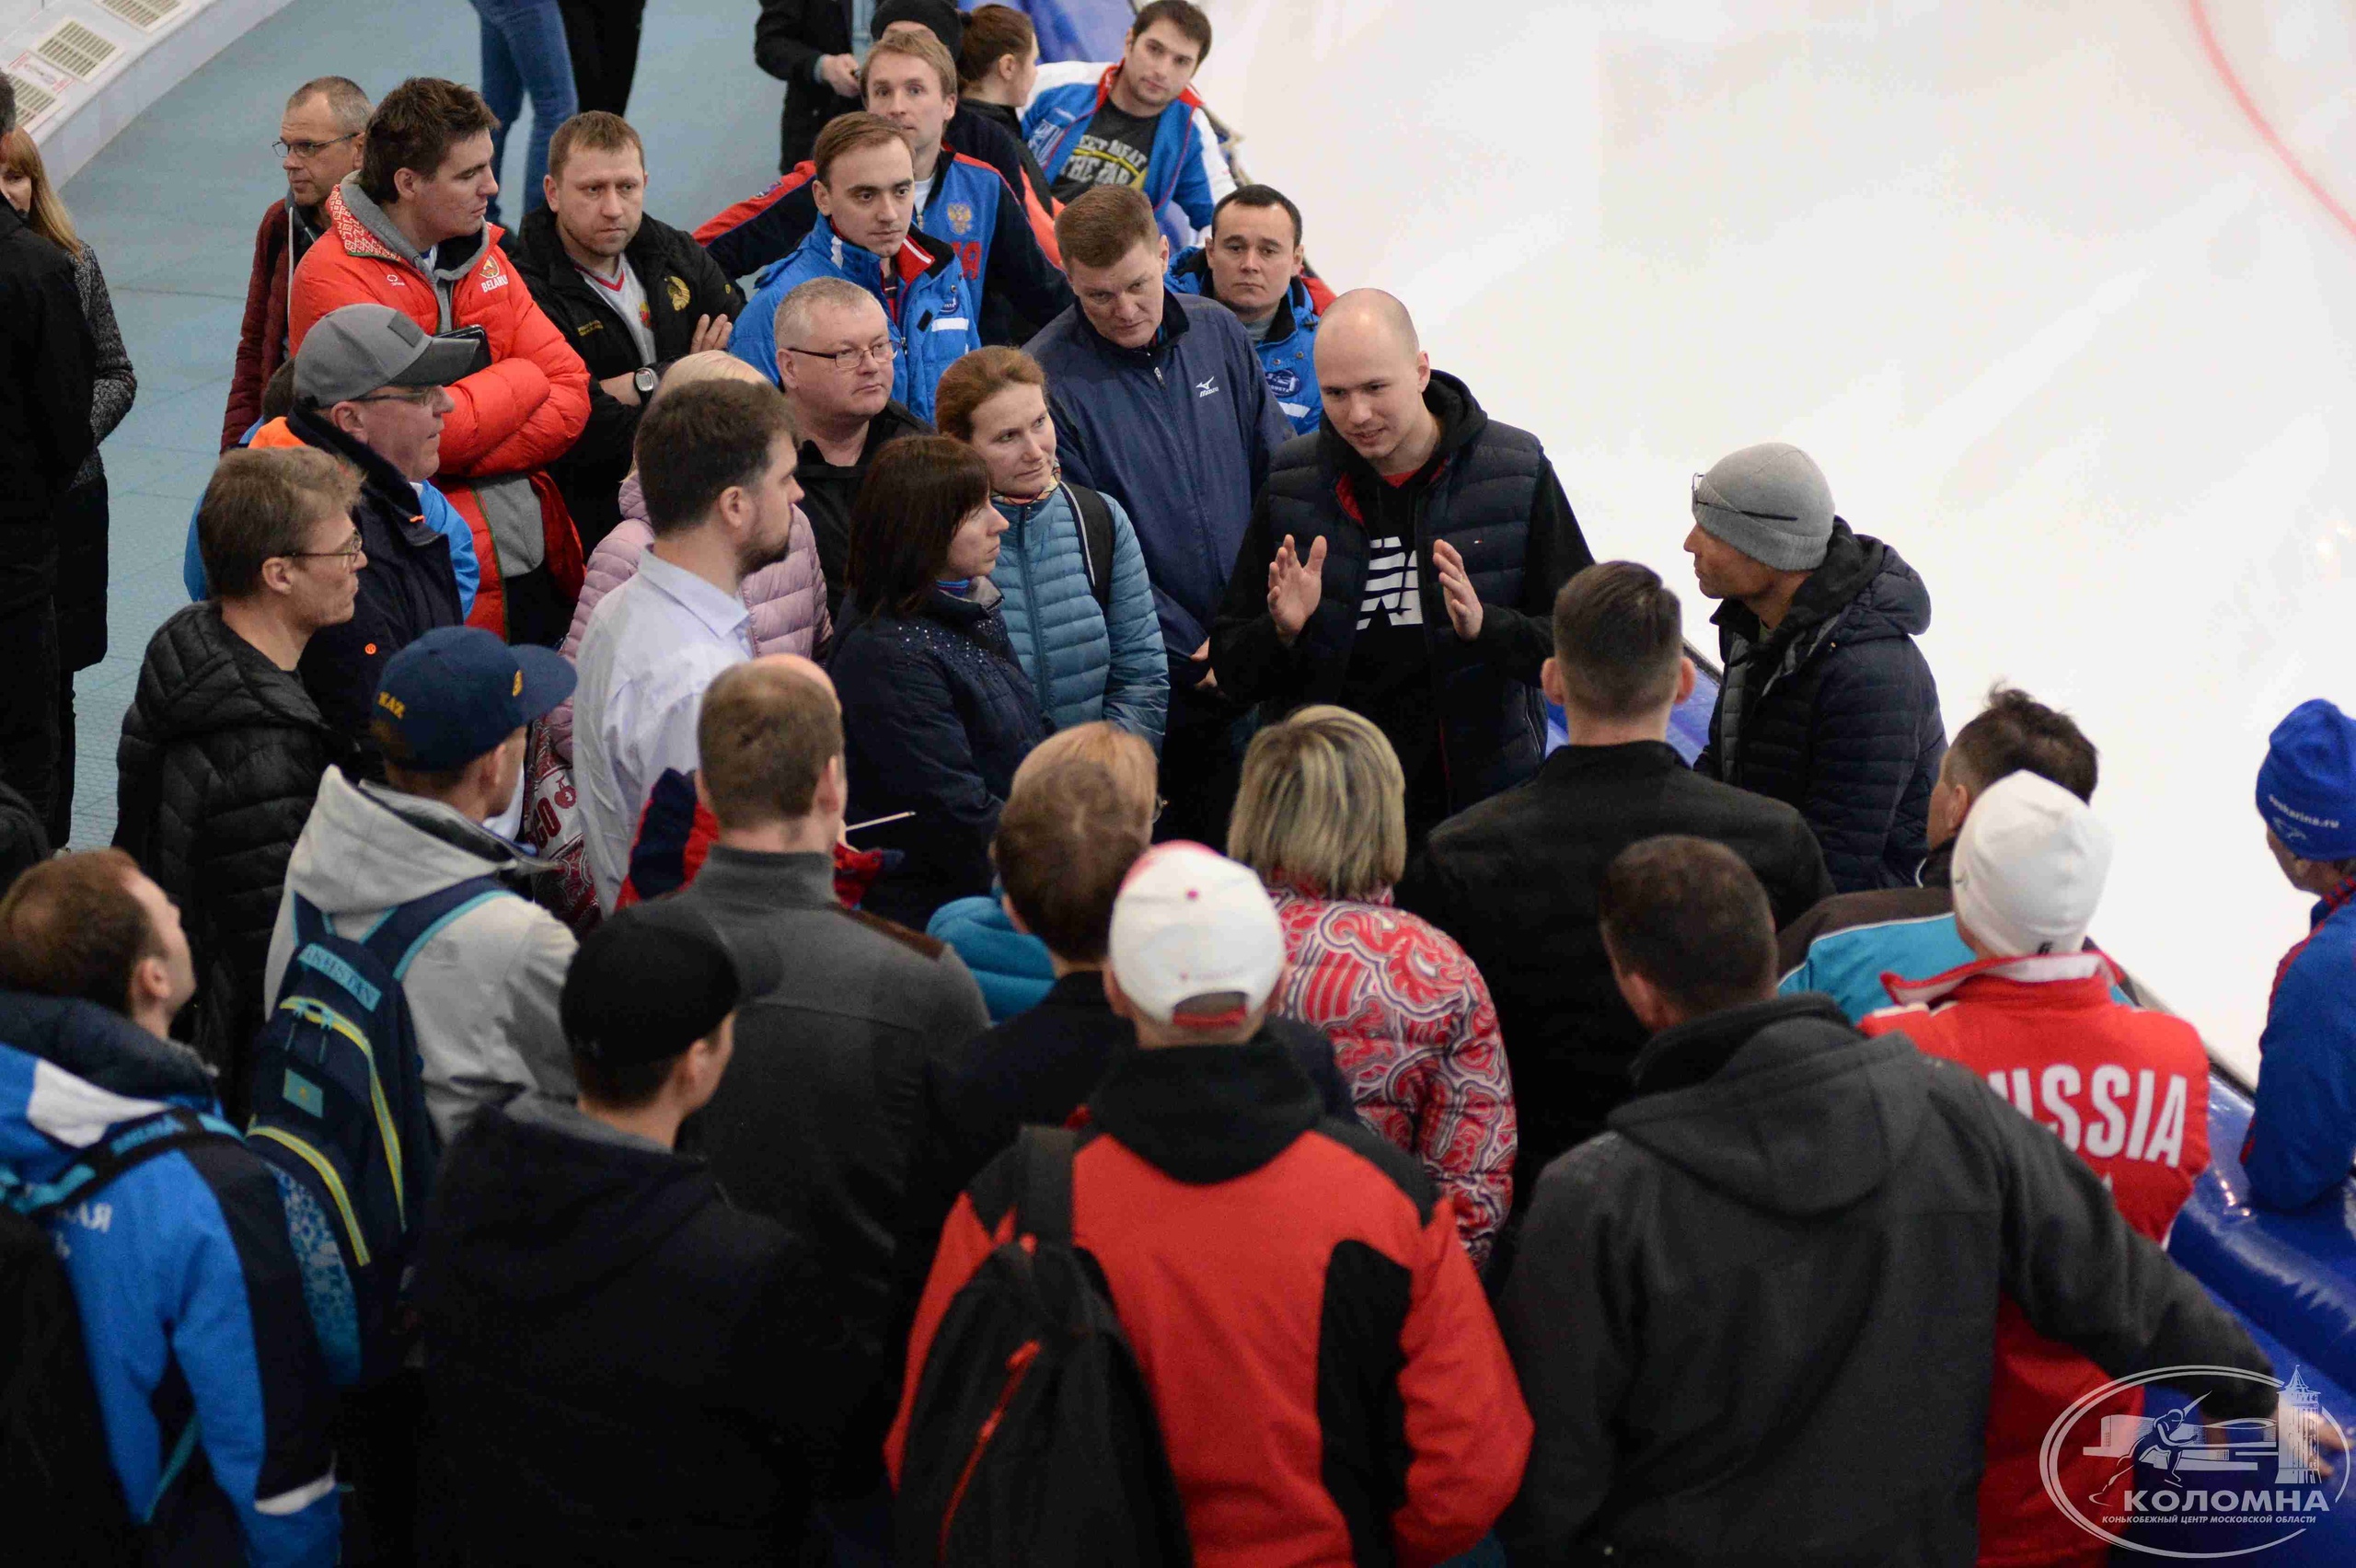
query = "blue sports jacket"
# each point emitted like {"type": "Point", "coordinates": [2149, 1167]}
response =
{"type": "Point", "coordinates": [1179, 432]}
{"type": "Point", "coordinates": [197, 1273]}
{"type": "Point", "coordinates": [2303, 1132]}
{"type": "Point", "coordinates": [933, 311]}
{"type": "Point", "coordinates": [1287, 354]}
{"type": "Point", "coordinates": [1184, 168]}
{"type": "Point", "coordinates": [1847, 965]}
{"type": "Point", "coordinates": [1081, 668]}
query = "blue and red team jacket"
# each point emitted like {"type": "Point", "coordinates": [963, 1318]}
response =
{"type": "Point", "coordinates": [970, 208]}
{"type": "Point", "coordinates": [1287, 354]}
{"type": "Point", "coordinates": [934, 312]}
{"type": "Point", "coordinates": [1185, 173]}
{"type": "Point", "coordinates": [2302, 1134]}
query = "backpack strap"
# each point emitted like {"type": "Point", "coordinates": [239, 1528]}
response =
{"type": "Point", "coordinates": [1095, 542]}
{"type": "Point", "coordinates": [396, 939]}
{"type": "Point", "coordinates": [129, 1144]}
{"type": "Point", "coordinates": [1044, 1209]}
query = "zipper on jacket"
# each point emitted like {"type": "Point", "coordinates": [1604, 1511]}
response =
{"type": "Point", "coordinates": [1031, 607]}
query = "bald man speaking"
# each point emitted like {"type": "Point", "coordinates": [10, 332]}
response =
{"type": "Point", "coordinates": [1403, 561]}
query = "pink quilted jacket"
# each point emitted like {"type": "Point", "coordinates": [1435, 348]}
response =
{"type": "Point", "coordinates": [788, 599]}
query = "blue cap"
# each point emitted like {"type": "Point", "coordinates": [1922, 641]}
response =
{"type": "Point", "coordinates": [2306, 788]}
{"type": "Point", "coordinates": [458, 692]}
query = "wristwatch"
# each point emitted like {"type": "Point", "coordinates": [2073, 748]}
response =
{"type": "Point", "coordinates": [643, 382]}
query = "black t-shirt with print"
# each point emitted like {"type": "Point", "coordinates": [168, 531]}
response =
{"type": "Point", "coordinates": [1389, 678]}
{"type": "Point", "coordinates": [1112, 150]}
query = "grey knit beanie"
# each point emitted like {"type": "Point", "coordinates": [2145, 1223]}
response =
{"type": "Point", "coordinates": [1771, 502]}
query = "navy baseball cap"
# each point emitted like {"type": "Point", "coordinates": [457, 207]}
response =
{"type": "Point", "coordinates": [458, 692]}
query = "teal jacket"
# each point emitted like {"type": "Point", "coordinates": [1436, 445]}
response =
{"type": "Point", "coordinates": [1013, 968]}
{"type": "Point", "coordinates": [1083, 663]}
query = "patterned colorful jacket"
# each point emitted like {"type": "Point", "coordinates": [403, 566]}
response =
{"type": "Point", "coordinates": [1416, 1037]}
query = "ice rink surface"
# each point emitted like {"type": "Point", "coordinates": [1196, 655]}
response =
{"type": "Point", "coordinates": [2060, 294]}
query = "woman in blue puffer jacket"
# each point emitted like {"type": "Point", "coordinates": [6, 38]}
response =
{"type": "Point", "coordinates": [1083, 628]}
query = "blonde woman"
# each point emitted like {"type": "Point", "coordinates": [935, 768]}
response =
{"type": "Point", "coordinates": [1322, 816]}
{"type": "Point", "coordinates": [81, 516]}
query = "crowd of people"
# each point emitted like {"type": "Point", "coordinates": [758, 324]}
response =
{"type": "Point", "coordinates": [883, 880]}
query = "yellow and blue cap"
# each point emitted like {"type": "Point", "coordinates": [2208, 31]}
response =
{"type": "Point", "coordinates": [458, 692]}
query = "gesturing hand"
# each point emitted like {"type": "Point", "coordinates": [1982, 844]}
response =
{"type": "Point", "coordinates": [711, 332]}
{"type": "Point", "coordinates": [842, 74]}
{"type": "Point", "coordinates": [1463, 605]}
{"type": "Point", "coordinates": [1295, 587]}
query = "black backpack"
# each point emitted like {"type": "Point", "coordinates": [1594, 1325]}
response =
{"type": "Point", "coordinates": [1033, 1438]}
{"type": "Point", "coordinates": [1095, 544]}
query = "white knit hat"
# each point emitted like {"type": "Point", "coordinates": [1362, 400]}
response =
{"type": "Point", "coordinates": [2030, 867]}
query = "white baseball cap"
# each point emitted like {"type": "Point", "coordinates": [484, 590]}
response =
{"type": "Point", "coordinates": [2030, 867]}
{"type": "Point", "coordinates": [1195, 940]}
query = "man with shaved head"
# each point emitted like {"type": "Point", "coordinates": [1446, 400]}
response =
{"type": "Point", "coordinates": [1403, 561]}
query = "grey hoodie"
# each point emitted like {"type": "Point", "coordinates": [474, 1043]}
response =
{"type": "Point", "coordinates": [482, 992]}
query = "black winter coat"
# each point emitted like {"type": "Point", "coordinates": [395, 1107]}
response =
{"type": "Point", "coordinates": [221, 759]}
{"type": "Point", "coordinates": [788, 40]}
{"type": "Point", "coordinates": [1492, 495]}
{"type": "Point", "coordinates": [1515, 880]}
{"type": "Point", "coordinates": [408, 588]}
{"type": "Point", "coordinates": [682, 284]}
{"type": "Point", "coordinates": [621, 1368]}
{"type": "Point", "coordinates": [829, 489]}
{"type": "Point", "coordinates": [1836, 711]}
{"type": "Point", "coordinates": [937, 715]}
{"type": "Point", "coordinates": [47, 362]}
{"type": "Point", "coordinates": [1756, 1322]}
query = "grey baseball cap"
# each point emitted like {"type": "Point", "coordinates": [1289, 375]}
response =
{"type": "Point", "coordinates": [367, 347]}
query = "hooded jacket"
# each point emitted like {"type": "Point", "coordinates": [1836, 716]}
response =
{"type": "Point", "coordinates": [482, 990]}
{"type": "Point", "coordinates": [220, 757]}
{"type": "Point", "coordinates": [1756, 1321]}
{"type": "Point", "coordinates": [620, 1368]}
{"type": "Point", "coordinates": [2303, 1132]}
{"type": "Point", "coordinates": [1288, 351]}
{"type": "Point", "coordinates": [1836, 712]}
{"type": "Point", "coordinates": [1184, 168]}
{"type": "Point", "coordinates": [2128, 1092]}
{"type": "Point", "coordinates": [787, 597]}
{"type": "Point", "coordinates": [1084, 662]}
{"type": "Point", "coordinates": [191, 1283]}
{"type": "Point", "coordinates": [933, 310]}
{"type": "Point", "coordinates": [1180, 434]}
{"type": "Point", "coordinates": [1844, 945]}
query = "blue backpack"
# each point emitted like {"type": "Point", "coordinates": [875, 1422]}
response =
{"type": "Point", "coordinates": [338, 1097]}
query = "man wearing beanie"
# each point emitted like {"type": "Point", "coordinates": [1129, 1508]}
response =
{"type": "Point", "coordinates": [1235, 1224]}
{"type": "Point", "coordinates": [1825, 702]}
{"type": "Point", "coordinates": [2303, 1133]}
{"type": "Point", "coordinates": [2034, 1016]}
{"type": "Point", "coordinates": [621, 1367]}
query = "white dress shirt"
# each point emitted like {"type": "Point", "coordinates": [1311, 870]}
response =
{"type": "Point", "coordinates": [652, 645]}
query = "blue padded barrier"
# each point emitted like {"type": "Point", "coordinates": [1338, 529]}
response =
{"type": "Point", "coordinates": [1689, 723]}
{"type": "Point", "coordinates": [1078, 29]}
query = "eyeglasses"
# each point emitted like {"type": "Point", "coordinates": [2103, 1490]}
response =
{"type": "Point", "coordinates": [422, 396]}
{"type": "Point", "coordinates": [353, 550]}
{"type": "Point", "coordinates": [882, 353]}
{"type": "Point", "coordinates": [307, 150]}
{"type": "Point", "coordinates": [1718, 502]}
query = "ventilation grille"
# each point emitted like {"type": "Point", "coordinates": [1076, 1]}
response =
{"type": "Point", "coordinates": [33, 100]}
{"type": "Point", "coordinates": [76, 51]}
{"type": "Point", "coordinates": [145, 14]}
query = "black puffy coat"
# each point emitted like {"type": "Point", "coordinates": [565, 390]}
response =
{"type": "Point", "coordinates": [1835, 711]}
{"type": "Point", "coordinates": [221, 759]}
{"type": "Point", "coordinates": [937, 715]}
{"type": "Point", "coordinates": [48, 360]}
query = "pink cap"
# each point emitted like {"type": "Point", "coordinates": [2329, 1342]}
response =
{"type": "Point", "coordinates": [1196, 940]}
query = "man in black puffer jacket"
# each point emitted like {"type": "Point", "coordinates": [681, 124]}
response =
{"type": "Point", "coordinates": [222, 748]}
{"type": "Point", "coordinates": [1826, 704]}
{"type": "Point", "coordinates": [1403, 561]}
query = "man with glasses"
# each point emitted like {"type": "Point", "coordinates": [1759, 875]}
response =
{"type": "Point", "coordinates": [321, 138]}
{"type": "Point", "coordinates": [1827, 704]}
{"type": "Point", "coordinates": [833, 362]}
{"type": "Point", "coordinates": [222, 747]}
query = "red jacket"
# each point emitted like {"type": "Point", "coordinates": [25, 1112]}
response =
{"type": "Point", "coordinates": [2127, 1090]}
{"type": "Point", "coordinates": [261, 337]}
{"type": "Point", "coordinates": [1331, 1386]}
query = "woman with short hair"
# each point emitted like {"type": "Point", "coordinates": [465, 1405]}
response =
{"type": "Point", "coordinates": [936, 713]}
{"type": "Point", "coordinates": [1322, 817]}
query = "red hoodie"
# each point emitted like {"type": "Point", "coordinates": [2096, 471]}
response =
{"type": "Point", "coordinates": [2127, 1090]}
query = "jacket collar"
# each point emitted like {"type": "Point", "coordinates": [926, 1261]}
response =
{"type": "Point", "coordinates": [1194, 267]}
{"type": "Point", "coordinates": [314, 429]}
{"type": "Point", "coordinates": [2330, 904]}
{"type": "Point", "coordinates": [777, 880]}
{"type": "Point", "coordinates": [1849, 565]}
{"type": "Point", "coordinates": [1081, 991]}
{"type": "Point", "coordinates": [1699, 1049]}
{"type": "Point", "coordinates": [1174, 326]}
{"type": "Point", "coordinates": [918, 255]}
{"type": "Point", "coordinates": [106, 1053]}
{"type": "Point", "coordinates": [2058, 973]}
{"type": "Point", "coordinates": [1205, 1114]}
{"type": "Point", "coordinates": [1461, 421]}
{"type": "Point", "coordinates": [1113, 73]}
{"type": "Point", "coordinates": [366, 230]}
{"type": "Point", "coordinates": [1568, 766]}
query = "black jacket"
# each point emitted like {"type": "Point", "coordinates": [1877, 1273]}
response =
{"type": "Point", "coordinates": [621, 1368]}
{"type": "Point", "coordinates": [1008, 118]}
{"type": "Point", "coordinates": [788, 40]}
{"type": "Point", "coordinates": [408, 588]}
{"type": "Point", "coordinates": [221, 759]}
{"type": "Point", "coordinates": [1491, 492]}
{"type": "Point", "coordinates": [1836, 711]}
{"type": "Point", "coordinates": [828, 492]}
{"type": "Point", "coordinates": [1756, 1322]}
{"type": "Point", "coordinates": [937, 715]}
{"type": "Point", "coordinates": [1514, 879]}
{"type": "Point", "coordinates": [682, 284]}
{"type": "Point", "coordinates": [47, 362]}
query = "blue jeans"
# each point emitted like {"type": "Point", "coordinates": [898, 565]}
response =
{"type": "Point", "coordinates": [524, 50]}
